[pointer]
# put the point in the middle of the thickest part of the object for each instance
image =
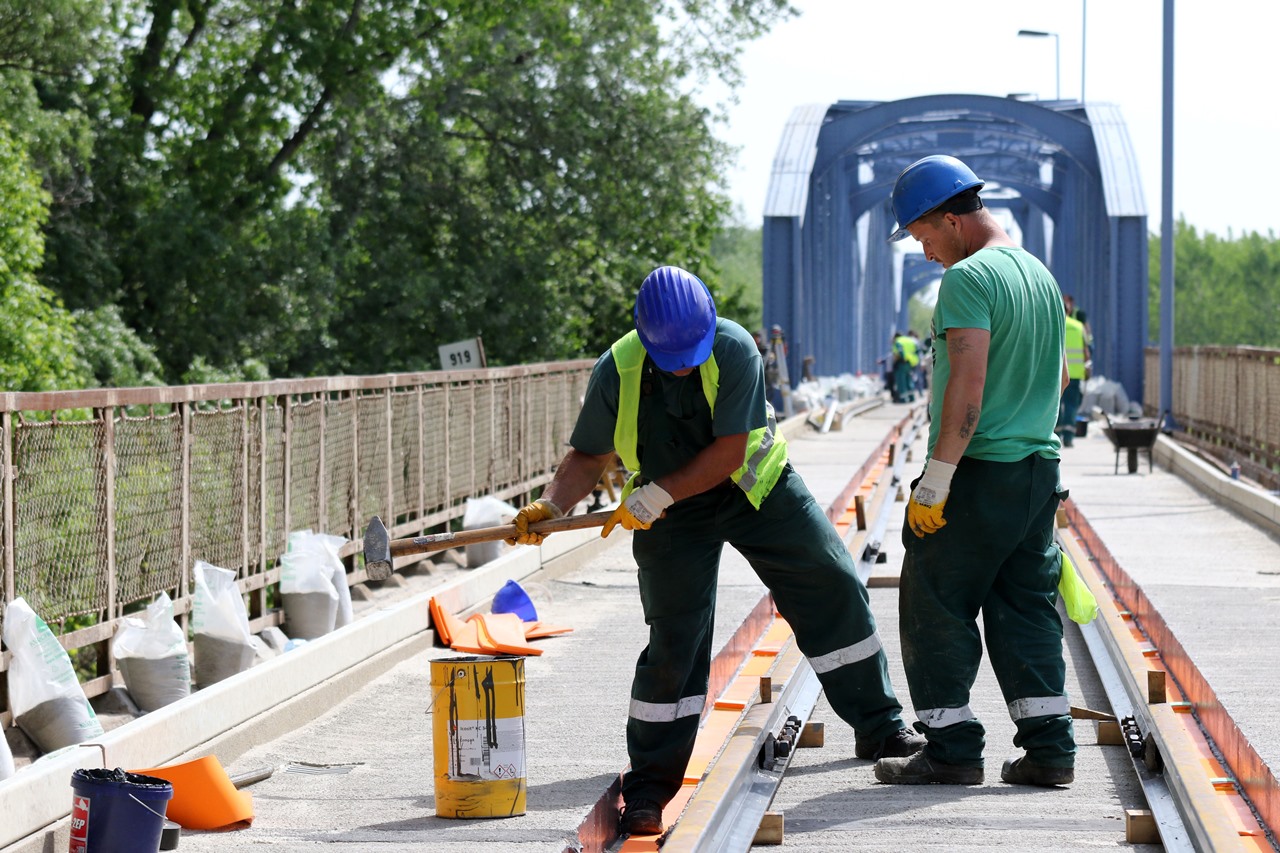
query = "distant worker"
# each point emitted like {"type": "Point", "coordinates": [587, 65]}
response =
{"type": "Point", "coordinates": [681, 400]}
{"type": "Point", "coordinates": [906, 355]}
{"type": "Point", "coordinates": [979, 528]}
{"type": "Point", "coordinates": [1077, 349]}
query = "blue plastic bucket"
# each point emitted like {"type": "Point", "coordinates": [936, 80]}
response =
{"type": "Point", "coordinates": [113, 811]}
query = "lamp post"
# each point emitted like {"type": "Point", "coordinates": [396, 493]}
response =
{"type": "Point", "coordinates": [1057, 64]}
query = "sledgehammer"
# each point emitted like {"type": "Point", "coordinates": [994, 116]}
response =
{"type": "Point", "coordinates": [380, 549]}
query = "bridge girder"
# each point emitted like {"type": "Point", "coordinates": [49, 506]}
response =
{"type": "Point", "coordinates": [1064, 172]}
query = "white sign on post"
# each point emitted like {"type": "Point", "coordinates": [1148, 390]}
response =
{"type": "Point", "coordinates": [462, 355]}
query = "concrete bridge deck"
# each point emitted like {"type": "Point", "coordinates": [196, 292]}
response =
{"type": "Point", "coordinates": [351, 756]}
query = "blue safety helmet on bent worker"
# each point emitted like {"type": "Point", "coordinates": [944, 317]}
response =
{"type": "Point", "coordinates": [926, 185]}
{"type": "Point", "coordinates": [676, 318]}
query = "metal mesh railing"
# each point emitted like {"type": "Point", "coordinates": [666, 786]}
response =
{"type": "Point", "coordinates": [111, 495]}
{"type": "Point", "coordinates": [1228, 401]}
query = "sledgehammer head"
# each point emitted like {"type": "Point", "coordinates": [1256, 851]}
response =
{"type": "Point", "coordinates": [377, 550]}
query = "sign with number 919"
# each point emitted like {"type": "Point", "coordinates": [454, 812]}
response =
{"type": "Point", "coordinates": [462, 355]}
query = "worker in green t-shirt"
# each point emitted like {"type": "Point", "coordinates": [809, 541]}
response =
{"type": "Point", "coordinates": [979, 532]}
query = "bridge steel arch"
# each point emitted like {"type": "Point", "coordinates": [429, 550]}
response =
{"type": "Point", "coordinates": [1065, 173]}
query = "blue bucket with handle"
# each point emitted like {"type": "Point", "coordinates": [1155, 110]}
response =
{"type": "Point", "coordinates": [113, 811]}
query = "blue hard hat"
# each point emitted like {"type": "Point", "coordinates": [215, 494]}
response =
{"type": "Point", "coordinates": [676, 318]}
{"type": "Point", "coordinates": [926, 184]}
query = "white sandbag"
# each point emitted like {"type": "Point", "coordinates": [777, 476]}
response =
{"type": "Point", "coordinates": [45, 696]}
{"type": "Point", "coordinates": [486, 512]}
{"type": "Point", "coordinates": [151, 651]}
{"type": "Point", "coordinates": [220, 622]}
{"type": "Point", "coordinates": [313, 585]}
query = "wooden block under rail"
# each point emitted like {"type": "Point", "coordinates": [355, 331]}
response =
{"type": "Point", "coordinates": [770, 830]}
{"type": "Point", "coordinates": [1109, 734]}
{"type": "Point", "coordinates": [766, 689]}
{"type": "Point", "coordinates": [892, 581]}
{"type": "Point", "coordinates": [1155, 687]}
{"type": "Point", "coordinates": [813, 735]}
{"type": "Point", "coordinates": [1140, 827]}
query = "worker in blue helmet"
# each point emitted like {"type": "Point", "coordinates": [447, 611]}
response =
{"type": "Point", "coordinates": [978, 536]}
{"type": "Point", "coordinates": [681, 399]}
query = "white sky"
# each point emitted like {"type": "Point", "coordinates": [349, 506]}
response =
{"type": "Point", "coordinates": [1226, 67]}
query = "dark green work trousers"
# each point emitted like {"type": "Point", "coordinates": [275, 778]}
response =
{"type": "Point", "coordinates": [996, 555]}
{"type": "Point", "coordinates": [798, 554]}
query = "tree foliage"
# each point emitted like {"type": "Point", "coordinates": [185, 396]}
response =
{"type": "Point", "coordinates": [342, 185]}
{"type": "Point", "coordinates": [37, 335]}
{"type": "Point", "coordinates": [1226, 290]}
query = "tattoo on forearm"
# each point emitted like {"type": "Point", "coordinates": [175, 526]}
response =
{"type": "Point", "coordinates": [969, 422]}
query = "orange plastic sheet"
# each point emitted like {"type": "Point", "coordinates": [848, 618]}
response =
{"type": "Point", "coordinates": [204, 797]}
{"type": "Point", "coordinates": [490, 633]}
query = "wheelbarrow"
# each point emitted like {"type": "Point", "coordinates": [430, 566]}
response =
{"type": "Point", "coordinates": [1131, 436]}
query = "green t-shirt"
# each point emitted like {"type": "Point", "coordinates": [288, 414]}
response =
{"type": "Point", "coordinates": [674, 420]}
{"type": "Point", "coordinates": [1008, 292]}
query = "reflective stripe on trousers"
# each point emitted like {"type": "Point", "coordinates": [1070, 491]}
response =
{"type": "Point", "coordinates": [666, 712]}
{"type": "Point", "coordinates": [867, 648]}
{"type": "Point", "coordinates": [1038, 706]}
{"type": "Point", "coordinates": [938, 718]}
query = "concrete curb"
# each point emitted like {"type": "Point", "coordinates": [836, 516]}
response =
{"type": "Point", "coordinates": [1251, 504]}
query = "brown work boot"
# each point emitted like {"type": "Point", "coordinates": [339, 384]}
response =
{"type": "Point", "coordinates": [900, 744]}
{"type": "Point", "coordinates": [1023, 771]}
{"type": "Point", "coordinates": [919, 769]}
{"type": "Point", "coordinates": [642, 817]}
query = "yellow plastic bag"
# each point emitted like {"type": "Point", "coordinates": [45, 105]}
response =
{"type": "Point", "coordinates": [1081, 606]}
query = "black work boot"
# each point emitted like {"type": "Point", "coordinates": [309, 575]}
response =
{"type": "Point", "coordinates": [919, 769]}
{"type": "Point", "coordinates": [900, 744]}
{"type": "Point", "coordinates": [642, 817]}
{"type": "Point", "coordinates": [1023, 771]}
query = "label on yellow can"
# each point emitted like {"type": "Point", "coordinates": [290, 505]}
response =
{"type": "Point", "coordinates": [488, 749]}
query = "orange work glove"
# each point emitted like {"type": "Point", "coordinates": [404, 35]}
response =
{"type": "Point", "coordinates": [924, 510]}
{"type": "Point", "coordinates": [540, 510]}
{"type": "Point", "coordinates": [640, 510]}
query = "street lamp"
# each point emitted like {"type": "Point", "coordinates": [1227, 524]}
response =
{"type": "Point", "coordinates": [1057, 64]}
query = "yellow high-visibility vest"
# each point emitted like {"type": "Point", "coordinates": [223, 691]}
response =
{"type": "Point", "coordinates": [907, 347]}
{"type": "Point", "coordinates": [766, 454]}
{"type": "Point", "coordinates": [1074, 344]}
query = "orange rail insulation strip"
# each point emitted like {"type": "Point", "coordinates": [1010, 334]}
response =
{"type": "Point", "coordinates": [1124, 601]}
{"type": "Point", "coordinates": [714, 734]}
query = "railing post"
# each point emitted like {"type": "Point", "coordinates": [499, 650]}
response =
{"type": "Point", "coordinates": [353, 488]}
{"type": "Point", "coordinates": [245, 434]}
{"type": "Point", "coordinates": [6, 425]}
{"type": "Point", "coordinates": [107, 458]}
{"type": "Point", "coordinates": [448, 455]}
{"type": "Point", "coordinates": [390, 509]}
{"type": "Point", "coordinates": [422, 453]}
{"type": "Point", "coordinates": [286, 455]}
{"type": "Point", "coordinates": [184, 496]}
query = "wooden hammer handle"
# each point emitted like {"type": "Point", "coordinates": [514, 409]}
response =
{"type": "Point", "coordinates": [440, 541]}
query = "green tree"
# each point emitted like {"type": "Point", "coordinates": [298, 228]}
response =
{"type": "Point", "coordinates": [342, 186]}
{"type": "Point", "coordinates": [37, 335]}
{"type": "Point", "coordinates": [738, 253]}
{"type": "Point", "coordinates": [1226, 290]}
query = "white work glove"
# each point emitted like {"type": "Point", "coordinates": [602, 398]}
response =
{"type": "Point", "coordinates": [640, 510]}
{"type": "Point", "coordinates": [540, 510]}
{"type": "Point", "coordinates": [924, 510]}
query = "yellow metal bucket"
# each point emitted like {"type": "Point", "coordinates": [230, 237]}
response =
{"type": "Point", "coordinates": [478, 736]}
